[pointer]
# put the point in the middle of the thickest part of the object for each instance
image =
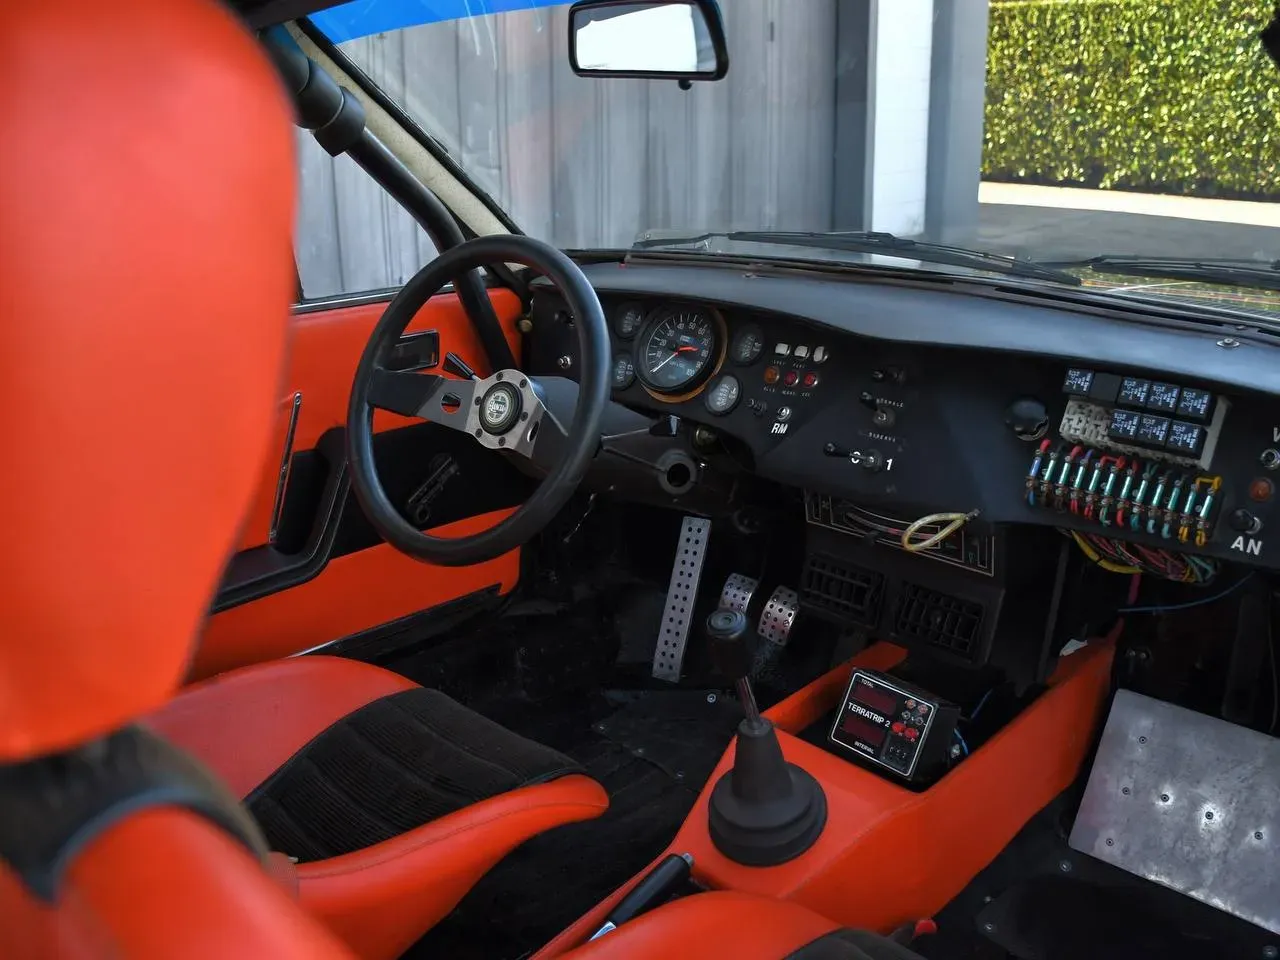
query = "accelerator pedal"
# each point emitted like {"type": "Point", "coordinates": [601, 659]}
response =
{"type": "Point", "coordinates": [682, 593]}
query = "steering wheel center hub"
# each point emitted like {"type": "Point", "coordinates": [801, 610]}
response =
{"type": "Point", "coordinates": [500, 408]}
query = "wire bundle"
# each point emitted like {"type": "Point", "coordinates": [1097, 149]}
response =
{"type": "Point", "coordinates": [947, 524]}
{"type": "Point", "coordinates": [1120, 557]}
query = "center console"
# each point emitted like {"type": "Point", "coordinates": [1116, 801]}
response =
{"type": "Point", "coordinates": [938, 836]}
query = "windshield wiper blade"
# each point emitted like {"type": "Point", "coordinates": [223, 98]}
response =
{"type": "Point", "coordinates": [869, 241]}
{"type": "Point", "coordinates": [1256, 274]}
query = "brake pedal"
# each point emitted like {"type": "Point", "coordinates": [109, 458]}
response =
{"type": "Point", "coordinates": [682, 594]}
{"type": "Point", "coordinates": [737, 592]}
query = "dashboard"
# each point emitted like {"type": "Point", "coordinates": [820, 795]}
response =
{"type": "Point", "coordinates": [884, 400]}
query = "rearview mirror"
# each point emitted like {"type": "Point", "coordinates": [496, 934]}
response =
{"type": "Point", "coordinates": [681, 40]}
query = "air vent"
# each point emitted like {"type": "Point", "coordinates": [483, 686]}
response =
{"type": "Point", "coordinates": [850, 592]}
{"type": "Point", "coordinates": [928, 616]}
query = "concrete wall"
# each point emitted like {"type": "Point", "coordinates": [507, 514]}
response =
{"type": "Point", "coordinates": [586, 162]}
{"type": "Point", "coordinates": [823, 122]}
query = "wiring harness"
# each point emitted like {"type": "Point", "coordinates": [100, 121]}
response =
{"type": "Point", "coordinates": [916, 538]}
{"type": "Point", "coordinates": [1118, 556]}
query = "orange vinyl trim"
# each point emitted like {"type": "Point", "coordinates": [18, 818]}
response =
{"type": "Point", "coordinates": [384, 897]}
{"type": "Point", "coordinates": [940, 838]}
{"type": "Point", "coordinates": [353, 593]}
{"type": "Point", "coordinates": [325, 349]}
{"type": "Point", "coordinates": [246, 723]}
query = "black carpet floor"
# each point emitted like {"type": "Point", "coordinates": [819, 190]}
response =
{"type": "Point", "coordinates": [652, 751]}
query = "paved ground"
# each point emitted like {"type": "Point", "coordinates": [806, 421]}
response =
{"type": "Point", "coordinates": [1053, 223]}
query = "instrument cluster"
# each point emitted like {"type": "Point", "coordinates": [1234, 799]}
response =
{"type": "Point", "coordinates": [678, 352]}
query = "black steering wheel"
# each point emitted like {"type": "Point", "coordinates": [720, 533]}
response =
{"type": "Point", "coordinates": [502, 411]}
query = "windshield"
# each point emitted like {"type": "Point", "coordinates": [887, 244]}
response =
{"type": "Point", "coordinates": [1050, 131]}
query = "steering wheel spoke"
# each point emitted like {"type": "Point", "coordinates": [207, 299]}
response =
{"type": "Point", "coordinates": [423, 395]}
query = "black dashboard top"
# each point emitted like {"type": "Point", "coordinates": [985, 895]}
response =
{"type": "Point", "coordinates": [958, 314]}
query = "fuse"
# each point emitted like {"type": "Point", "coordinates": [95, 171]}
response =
{"type": "Point", "coordinates": [1188, 512]}
{"type": "Point", "coordinates": [1084, 465]}
{"type": "Point", "coordinates": [1047, 477]}
{"type": "Point", "coordinates": [1135, 521]}
{"type": "Point", "coordinates": [1155, 503]}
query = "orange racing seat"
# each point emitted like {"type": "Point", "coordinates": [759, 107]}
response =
{"type": "Point", "coordinates": [393, 799]}
{"type": "Point", "coordinates": [148, 201]}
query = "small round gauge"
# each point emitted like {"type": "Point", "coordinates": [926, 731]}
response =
{"type": "Point", "coordinates": [624, 371]}
{"type": "Point", "coordinates": [748, 344]}
{"type": "Point", "coordinates": [677, 349]}
{"type": "Point", "coordinates": [723, 394]}
{"type": "Point", "coordinates": [627, 319]}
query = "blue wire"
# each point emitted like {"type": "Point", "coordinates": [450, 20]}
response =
{"type": "Point", "coordinates": [963, 746]}
{"type": "Point", "coordinates": [1164, 608]}
{"type": "Point", "coordinates": [981, 703]}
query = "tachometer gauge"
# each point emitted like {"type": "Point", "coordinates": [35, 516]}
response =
{"type": "Point", "coordinates": [627, 320]}
{"type": "Point", "coordinates": [678, 349]}
{"type": "Point", "coordinates": [748, 344]}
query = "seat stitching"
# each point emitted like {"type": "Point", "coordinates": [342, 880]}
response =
{"type": "Point", "coordinates": [425, 723]}
{"type": "Point", "coordinates": [405, 768]}
{"type": "Point", "coordinates": [309, 837]}
{"type": "Point", "coordinates": [337, 788]}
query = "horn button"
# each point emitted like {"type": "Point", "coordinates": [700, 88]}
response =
{"type": "Point", "coordinates": [500, 408]}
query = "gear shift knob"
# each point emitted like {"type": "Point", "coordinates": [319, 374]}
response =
{"type": "Point", "coordinates": [763, 811]}
{"type": "Point", "coordinates": [730, 639]}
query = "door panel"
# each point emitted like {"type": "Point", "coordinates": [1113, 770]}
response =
{"type": "Point", "coordinates": [351, 581]}
{"type": "Point", "coordinates": [352, 594]}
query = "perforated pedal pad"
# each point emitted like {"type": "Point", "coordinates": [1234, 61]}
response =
{"type": "Point", "coordinates": [737, 592]}
{"type": "Point", "coordinates": [779, 616]}
{"type": "Point", "coordinates": [682, 593]}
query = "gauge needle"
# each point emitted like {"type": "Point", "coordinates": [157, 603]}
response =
{"type": "Point", "coordinates": [676, 353]}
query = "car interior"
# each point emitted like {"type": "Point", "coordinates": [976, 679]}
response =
{"type": "Point", "coordinates": [593, 604]}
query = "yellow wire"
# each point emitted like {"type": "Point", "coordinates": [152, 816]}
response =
{"type": "Point", "coordinates": [1093, 555]}
{"type": "Point", "coordinates": [953, 521]}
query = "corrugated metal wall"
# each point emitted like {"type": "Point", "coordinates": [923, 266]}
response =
{"type": "Point", "coordinates": [586, 162]}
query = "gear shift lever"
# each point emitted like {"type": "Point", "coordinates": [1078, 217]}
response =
{"type": "Point", "coordinates": [763, 811]}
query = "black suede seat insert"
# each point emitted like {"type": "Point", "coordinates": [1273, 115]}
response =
{"type": "Point", "coordinates": [394, 764]}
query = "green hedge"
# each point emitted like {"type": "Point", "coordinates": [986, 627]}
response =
{"type": "Point", "coordinates": [1167, 96]}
